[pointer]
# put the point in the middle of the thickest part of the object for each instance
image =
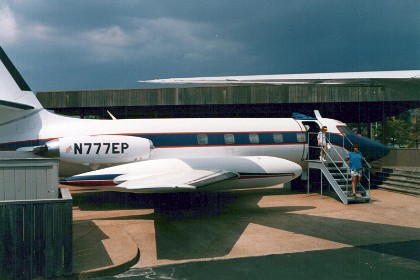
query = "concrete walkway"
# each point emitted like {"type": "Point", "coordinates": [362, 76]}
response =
{"type": "Point", "coordinates": [116, 231]}
{"type": "Point", "coordinates": [101, 248]}
{"type": "Point", "coordinates": [100, 245]}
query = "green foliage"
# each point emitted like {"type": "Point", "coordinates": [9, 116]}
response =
{"type": "Point", "coordinates": [397, 131]}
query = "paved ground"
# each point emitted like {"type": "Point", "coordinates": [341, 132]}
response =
{"type": "Point", "coordinates": [255, 234]}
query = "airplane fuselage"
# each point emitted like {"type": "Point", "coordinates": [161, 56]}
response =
{"type": "Point", "coordinates": [172, 138]}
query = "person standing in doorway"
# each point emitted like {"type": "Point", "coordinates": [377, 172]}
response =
{"type": "Point", "coordinates": [356, 167]}
{"type": "Point", "coordinates": [322, 143]}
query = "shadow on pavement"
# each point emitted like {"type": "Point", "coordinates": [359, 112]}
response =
{"type": "Point", "coordinates": [207, 225]}
{"type": "Point", "coordinates": [345, 263]}
{"type": "Point", "coordinates": [88, 250]}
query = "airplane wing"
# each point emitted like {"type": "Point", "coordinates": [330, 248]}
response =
{"type": "Point", "coordinates": [175, 181]}
{"type": "Point", "coordinates": [356, 78]}
{"type": "Point", "coordinates": [189, 174]}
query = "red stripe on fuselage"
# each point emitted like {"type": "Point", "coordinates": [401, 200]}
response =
{"type": "Point", "coordinates": [262, 176]}
{"type": "Point", "coordinates": [96, 183]}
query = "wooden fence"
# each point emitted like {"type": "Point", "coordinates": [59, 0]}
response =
{"type": "Point", "coordinates": [36, 237]}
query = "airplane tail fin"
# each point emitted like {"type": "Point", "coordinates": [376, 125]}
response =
{"type": "Point", "coordinates": [16, 98]}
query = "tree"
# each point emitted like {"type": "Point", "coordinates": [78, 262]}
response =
{"type": "Point", "coordinates": [397, 131]}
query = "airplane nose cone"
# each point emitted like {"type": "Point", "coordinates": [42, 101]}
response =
{"type": "Point", "coordinates": [371, 149]}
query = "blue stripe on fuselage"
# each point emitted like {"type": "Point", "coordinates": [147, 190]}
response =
{"type": "Point", "coordinates": [218, 139]}
{"type": "Point", "coordinates": [175, 140]}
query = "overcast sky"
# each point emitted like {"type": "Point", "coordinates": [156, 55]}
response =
{"type": "Point", "coordinates": [103, 44]}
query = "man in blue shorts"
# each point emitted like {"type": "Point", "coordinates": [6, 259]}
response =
{"type": "Point", "coordinates": [356, 167]}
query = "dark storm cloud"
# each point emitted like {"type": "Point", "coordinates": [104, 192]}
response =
{"type": "Point", "coordinates": [111, 44]}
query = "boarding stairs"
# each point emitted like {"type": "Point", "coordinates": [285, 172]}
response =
{"type": "Point", "coordinates": [337, 173]}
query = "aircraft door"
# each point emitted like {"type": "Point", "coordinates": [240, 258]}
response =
{"type": "Point", "coordinates": [311, 148]}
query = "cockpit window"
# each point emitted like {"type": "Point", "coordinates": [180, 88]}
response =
{"type": "Point", "coordinates": [345, 129]}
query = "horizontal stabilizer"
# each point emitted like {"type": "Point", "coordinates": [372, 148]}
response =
{"type": "Point", "coordinates": [27, 149]}
{"type": "Point", "coordinates": [15, 93]}
{"type": "Point", "coordinates": [14, 105]}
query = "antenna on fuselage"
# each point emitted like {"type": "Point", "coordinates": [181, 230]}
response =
{"type": "Point", "coordinates": [111, 115]}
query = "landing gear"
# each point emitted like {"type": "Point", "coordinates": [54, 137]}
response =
{"type": "Point", "coordinates": [298, 185]}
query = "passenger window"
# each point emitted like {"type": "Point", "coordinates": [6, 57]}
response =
{"type": "Point", "coordinates": [254, 138]}
{"type": "Point", "coordinates": [301, 137]}
{"type": "Point", "coordinates": [278, 137]}
{"type": "Point", "coordinates": [202, 139]}
{"type": "Point", "coordinates": [229, 139]}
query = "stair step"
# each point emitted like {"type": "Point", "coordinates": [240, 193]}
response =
{"type": "Point", "coordinates": [399, 180]}
{"type": "Point", "coordinates": [410, 177]}
{"type": "Point", "coordinates": [406, 175]}
{"type": "Point", "coordinates": [338, 170]}
{"type": "Point", "coordinates": [359, 199]}
{"type": "Point", "coordinates": [348, 193]}
{"type": "Point", "coordinates": [386, 185]}
{"type": "Point", "coordinates": [410, 172]}
{"type": "Point", "coordinates": [404, 179]}
{"type": "Point", "coordinates": [341, 174]}
{"type": "Point", "coordinates": [402, 184]}
{"type": "Point", "coordinates": [339, 179]}
{"type": "Point", "coordinates": [400, 189]}
{"type": "Point", "coordinates": [346, 188]}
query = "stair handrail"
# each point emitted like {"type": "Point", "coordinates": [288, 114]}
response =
{"type": "Point", "coordinates": [365, 173]}
{"type": "Point", "coordinates": [351, 143]}
{"type": "Point", "coordinates": [364, 160]}
{"type": "Point", "coordinates": [325, 168]}
{"type": "Point", "coordinates": [345, 176]}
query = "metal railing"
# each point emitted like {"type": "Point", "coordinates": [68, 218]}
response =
{"type": "Point", "coordinates": [366, 171]}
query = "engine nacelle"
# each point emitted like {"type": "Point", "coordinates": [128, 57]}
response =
{"type": "Point", "coordinates": [95, 150]}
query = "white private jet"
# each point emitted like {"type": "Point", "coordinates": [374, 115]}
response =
{"type": "Point", "coordinates": [163, 155]}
